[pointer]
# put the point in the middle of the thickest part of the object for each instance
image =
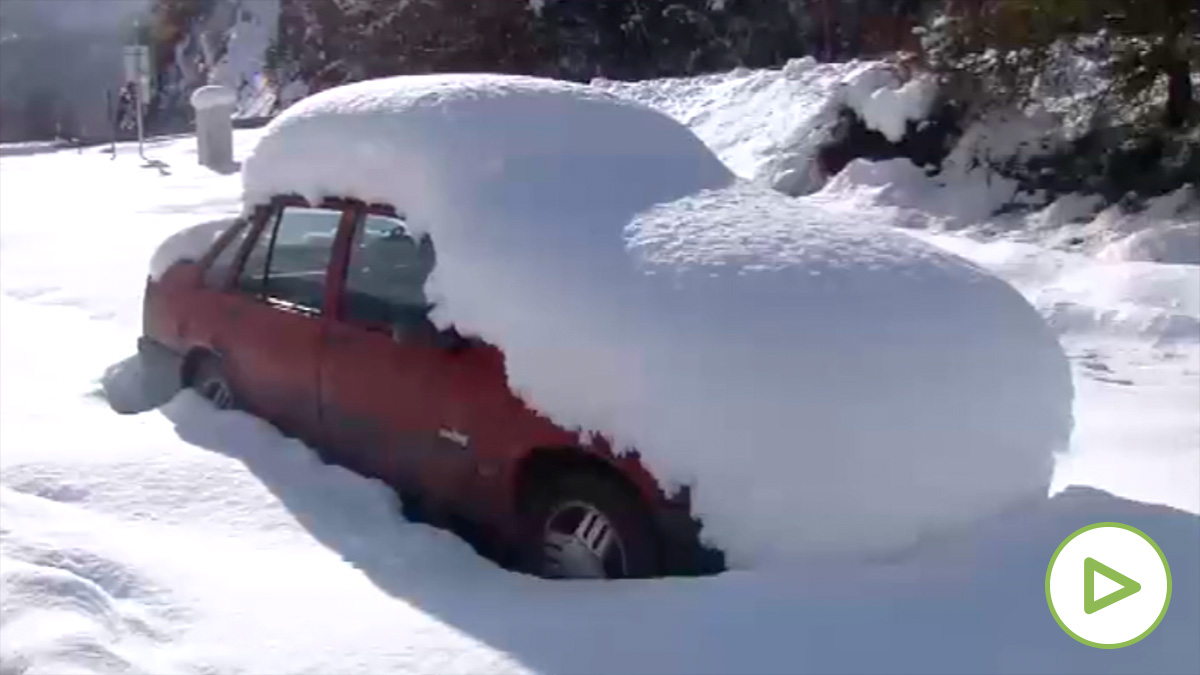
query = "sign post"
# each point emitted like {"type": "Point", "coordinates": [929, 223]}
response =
{"type": "Point", "coordinates": [112, 123]}
{"type": "Point", "coordinates": [137, 72]}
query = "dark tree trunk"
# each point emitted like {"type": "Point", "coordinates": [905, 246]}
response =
{"type": "Point", "coordinates": [1181, 96]}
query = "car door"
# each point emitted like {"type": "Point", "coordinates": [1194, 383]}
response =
{"type": "Point", "coordinates": [378, 394]}
{"type": "Point", "coordinates": [270, 323]}
{"type": "Point", "coordinates": [482, 426]}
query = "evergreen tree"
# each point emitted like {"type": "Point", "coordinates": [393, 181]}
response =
{"type": "Point", "coordinates": [995, 51]}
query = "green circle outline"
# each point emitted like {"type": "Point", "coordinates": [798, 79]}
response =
{"type": "Point", "coordinates": [1161, 556]}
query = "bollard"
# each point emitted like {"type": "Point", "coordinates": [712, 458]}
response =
{"type": "Point", "coordinates": [214, 125]}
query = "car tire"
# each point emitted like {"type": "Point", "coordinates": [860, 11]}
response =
{"type": "Point", "coordinates": [209, 381]}
{"type": "Point", "coordinates": [584, 525]}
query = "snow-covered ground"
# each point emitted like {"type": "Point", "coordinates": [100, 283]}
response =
{"type": "Point", "coordinates": [187, 540]}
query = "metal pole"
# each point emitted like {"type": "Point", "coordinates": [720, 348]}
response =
{"type": "Point", "coordinates": [112, 116]}
{"type": "Point", "coordinates": [137, 40]}
{"type": "Point", "coordinates": [138, 87]}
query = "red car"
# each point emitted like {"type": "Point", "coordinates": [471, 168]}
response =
{"type": "Point", "coordinates": [314, 317]}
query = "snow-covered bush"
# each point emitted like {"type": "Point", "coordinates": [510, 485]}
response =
{"type": "Point", "coordinates": [770, 125]}
{"type": "Point", "coordinates": [826, 385]}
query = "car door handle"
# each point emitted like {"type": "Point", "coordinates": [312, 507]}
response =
{"type": "Point", "coordinates": [337, 340]}
{"type": "Point", "coordinates": [233, 313]}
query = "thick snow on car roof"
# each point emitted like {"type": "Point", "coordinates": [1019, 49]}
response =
{"type": "Point", "coordinates": [429, 138]}
{"type": "Point", "coordinates": [825, 385]}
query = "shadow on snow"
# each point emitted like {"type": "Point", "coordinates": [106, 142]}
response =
{"type": "Point", "coordinates": [971, 605]}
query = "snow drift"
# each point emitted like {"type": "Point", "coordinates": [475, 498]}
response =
{"type": "Point", "coordinates": [827, 386]}
{"type": "Point", "coordinates": [767, 125]}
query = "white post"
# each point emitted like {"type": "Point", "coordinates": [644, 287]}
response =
{"type": "Point", "coordinates": [214, 106]}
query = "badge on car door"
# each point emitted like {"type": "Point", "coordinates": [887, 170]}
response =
{"type": "Point", "coordinates": [458, 438]}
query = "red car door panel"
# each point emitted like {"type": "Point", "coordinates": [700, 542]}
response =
{"type": "Point", "coordinates": [268, 323]}
{"type": "Point", "coordinates": [382, 395]}
{"type": "Point", "coordinates": [270, 355]}
{"type": "Point", "coordinates": [376, 402]}
{"type": "Point", "coordinates": [477, 430]}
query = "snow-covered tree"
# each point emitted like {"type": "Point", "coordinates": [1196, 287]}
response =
{"type": "Point", "coordinates": [996, 51]}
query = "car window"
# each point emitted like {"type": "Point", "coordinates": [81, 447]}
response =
{"type": "Point", "coordinates": [289, 260]}
{"type": "Point", "coordinates": [385, 279]}
{"type": "Point", "coordinates": [217, 273]}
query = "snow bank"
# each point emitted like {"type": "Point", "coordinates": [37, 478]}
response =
{"type": "Point", "coordinates": [29, 148]}
{"type": "Point", "coordinates": [967, 190]}
{"type": "Point", "coordinates": [1131, 300]}
{"type": "Point", "coordinates": [767, 125]}
{"type": "Point", "coordinates": [1172, 242]}
{"type": "Point", "coordinates": [1103, 279]}
{"type": "Point", "coordinates": [887, 106]}
{"type": "Point", "coordinates": [1167, 230]}
{"type": "Point", "coordinates": [782, 358]}
{"type": "Point", "coordinates": [898, 192]}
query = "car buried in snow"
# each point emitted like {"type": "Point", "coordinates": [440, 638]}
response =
{"type": "Point", "coordinates": [554, 320]}
{"type": "Point", "coordinates": [312, 314]}
{"type": "Point", "coordinates": [313, 318]}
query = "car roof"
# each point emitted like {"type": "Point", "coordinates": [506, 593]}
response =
{"type": "Point", "coordinates": [436, 140]}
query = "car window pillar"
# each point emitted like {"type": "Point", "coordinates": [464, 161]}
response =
{"type": "Point", "coordinates": [339, 261]}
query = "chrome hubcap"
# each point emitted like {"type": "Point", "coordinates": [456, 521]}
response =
{"type": "Point", "coordinates": [580, 542]}
{"type": "Point", "coordinates": [217, 392]}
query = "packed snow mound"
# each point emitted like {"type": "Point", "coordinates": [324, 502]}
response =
{"type": "Point", "coordinates": [1177, 242]}
{"type": "Point", "coordinates": [796, 366]}
{"type": "Point", "coordinates": [1082, 297]}
{"type": "Point", "coordinates": [768, 125]}
{"type": "Point", "coordinates": [947, 200]}
{"type": "Point", "coordinates": [886, 105]}
{"type": "Point", "coordinates": [1100, 281]}
{"type": "Point", "coordinates": [1167, 230]}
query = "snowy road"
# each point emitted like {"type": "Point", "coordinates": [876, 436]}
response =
{"type": "Point", "coordinates": [186, 540]}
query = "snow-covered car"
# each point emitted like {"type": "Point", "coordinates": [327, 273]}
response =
{"type": "Point", "coordinates": [554, 315]}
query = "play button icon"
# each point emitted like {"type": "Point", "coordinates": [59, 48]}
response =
{"type": "Point", "coordinates": [1092, 604]}
{"type": "Point", "coordinates": [1113, 603]}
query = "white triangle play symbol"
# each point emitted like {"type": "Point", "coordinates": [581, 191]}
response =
{"type": "Point", "coordinates": [1104, 586]}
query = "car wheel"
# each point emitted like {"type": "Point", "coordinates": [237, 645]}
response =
{"type": "Point", "coordinates": [210, 382]}
{"type": "Point", "coordinates": [585, 526]}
